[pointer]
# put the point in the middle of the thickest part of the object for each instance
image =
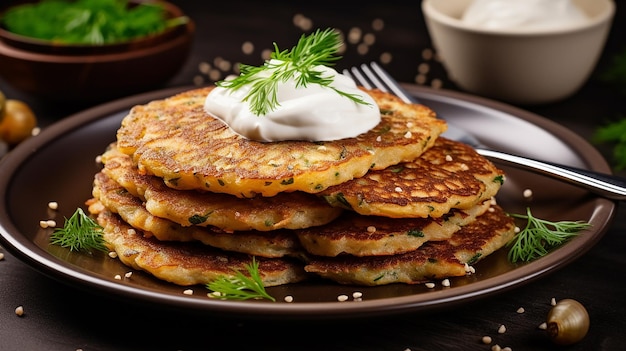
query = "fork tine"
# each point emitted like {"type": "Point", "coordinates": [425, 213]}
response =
{"type": "Point", "coordinates": [373, 76]}
{"type": "Point", "coordinates": [391, 83]}
{"type": "Point", "coordinates": [358, 77]}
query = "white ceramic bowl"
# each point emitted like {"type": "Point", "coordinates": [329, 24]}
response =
{"type": "Point", "coordinates": [514, 65]}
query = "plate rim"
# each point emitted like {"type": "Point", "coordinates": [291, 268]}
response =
{"type": "Point", "coordinates": [297, 310]}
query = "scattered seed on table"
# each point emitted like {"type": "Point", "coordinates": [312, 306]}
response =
{"type": "Point", "coordinates": [19, 310]}
{"type": "Point", "coordinates": [502, 329]}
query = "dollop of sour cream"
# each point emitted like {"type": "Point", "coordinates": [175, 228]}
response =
{"type": "Point", "coordinates": [312, 112]}
{"type": "Point", "coordinates": [524, 14]}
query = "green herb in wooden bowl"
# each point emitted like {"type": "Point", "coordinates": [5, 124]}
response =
{"type": "Point", "coordinates": [88, 22]}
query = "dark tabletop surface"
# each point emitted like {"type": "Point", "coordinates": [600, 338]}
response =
{"type": "Point", "coordinates": [61, 317]}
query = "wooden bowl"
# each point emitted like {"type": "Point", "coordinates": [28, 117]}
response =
{"type": "Point", "coordinates": [94, 73]}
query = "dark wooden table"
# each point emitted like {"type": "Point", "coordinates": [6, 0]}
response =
{"type": "Point", "coordinates": [62, 317]}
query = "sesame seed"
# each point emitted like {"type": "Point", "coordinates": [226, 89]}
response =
{"type": "Point", "coordinates": [516, 230]}
{"type": "Point", "coordinates": [35, 131]}
{"type": "Point", "coordinates": [430, 285]}
{"type": "Point", "coordinates": [118, 277]}
{"type": "Point", "coordinates": [19, 310]}
{"type": "Point", "coordinates": [427, 54]}
{"type": "Point", "coordinates": [487, 339]}
{"type": "Point", "coordinates": [464, 167]}
{"type": "Point", "coordinates": [53, 205]}
{"type": "Point", "coordinates": [420, 79]}
{"type": "Point", "coordinates": [543, 326]}
{"type": "Point", "coordinates": [521, 310]}
{"type": "Point", "coordinates": [409, 124]}
{"type": "Point", "coordinates": [362, 49]}
{"type": "Point", "coordinates": [1, 256]}
{"type": "Point", "coordinates": [131, 231]}
{"type": "Point", "coordinates": [528, 193]}
{"type": "Point", "coordinates": [506, 349]}
{"type": "Point", "coordinates": [398, 189]}
{"type": "Point", "coordinates": [128, 274]}
{"type": "Point", "coordinates": [448, 158]}
{"type": "Point", "coordinates": [43, 224]}
{"type": "Point", "coordinates": [357, 294]}
{"type": "Point", "coordinates": [379, 138]}
{"type": "Point", "coordinates": [214, 294]}
{"type": "Point", "coordinates": [436, 83]}
{"type": "Point", "coordinates": [188, 292]}
{"type": "Point", "coordinates": [445, 282]}
{"type": "Point", "coordinates": [385, 57]}
{"type": "Point", "coordinates": [408, 134]}
{"type": "Point", "coordinates": [247, 48]}
{"type": "Point", "coordinates": [342, 298]}
{"type": "Point", "coordinates": [493, 201]}
{"type": "Point", "coordinates": [496, 347]}
{"type": "Point", "coordinates": [204, 67]}
{"type": "Point", "coordinates": [288, 298]}
{"type": "Point", "coordinates": [113, 254]}
{"type": "Point", "coordinates": [51, 223]}
{"type": "Point", "coordinates": [491, 209]}
{"type": "Point", "coordinates": [371, 229]}
{"type": "Point", "coordinates": [553, 301]}
{"type": "Point", "coordinates": [423, 68]}
{"type": "Point", "coordinates": [502, 329]}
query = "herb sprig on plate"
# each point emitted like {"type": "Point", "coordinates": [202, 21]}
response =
{"type": "Point", "coordinates": [319, 48]}
{"type": "Point", "coordinates": [240, 286]}
{"type": "Point", "coordinates": [80, 233]}
{"type": "Point", "coordinates": [539, 236]}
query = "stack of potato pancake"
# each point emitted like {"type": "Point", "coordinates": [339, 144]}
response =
{"type": "Point", "coordinates": [183, 197]}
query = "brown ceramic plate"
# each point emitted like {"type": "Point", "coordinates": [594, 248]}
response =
{"type": "Point", "coordinates": [59, 165]}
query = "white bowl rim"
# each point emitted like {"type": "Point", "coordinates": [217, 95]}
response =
{"type": "Point", "coordinates": [601, 18]}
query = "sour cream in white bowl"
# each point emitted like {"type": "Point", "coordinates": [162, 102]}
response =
{"type": "Point", "coordinates": [519, 51]}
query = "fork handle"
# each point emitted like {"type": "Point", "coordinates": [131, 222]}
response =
{"type": "Point", "coordinates": [606, 185]}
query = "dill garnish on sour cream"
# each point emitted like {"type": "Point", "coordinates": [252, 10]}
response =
{"type": "Point", "coordinates": [295, 95]}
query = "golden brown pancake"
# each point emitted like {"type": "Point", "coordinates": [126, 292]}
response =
{"type": "Point", "coordinates": [432, 261]}
{"type": "Point", "coordinates": [360, 235]}
{"type": "Point", "coordinates": [176, 140]}
{"type": "Point", "coordinates": [116, 199]}
{"type": "Point", "coordinates": [189, 263]}
{"type": "Point", "coordinates": [187, 207]}
{"type": "Point", "coordinates": [449, 175]}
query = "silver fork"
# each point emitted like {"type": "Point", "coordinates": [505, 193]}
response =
{"type": "Point", "coordinates": [606, 185]}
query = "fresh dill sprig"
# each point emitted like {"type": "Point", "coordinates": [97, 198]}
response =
{"type": "Point", "coordinates": [540, 236]}
{"type": "Point", "coordinates": [79, 233]}
{"type": "Point", "coordinates": [241, 287]}
{"type": "Point", "coordinates": [319, 48]}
